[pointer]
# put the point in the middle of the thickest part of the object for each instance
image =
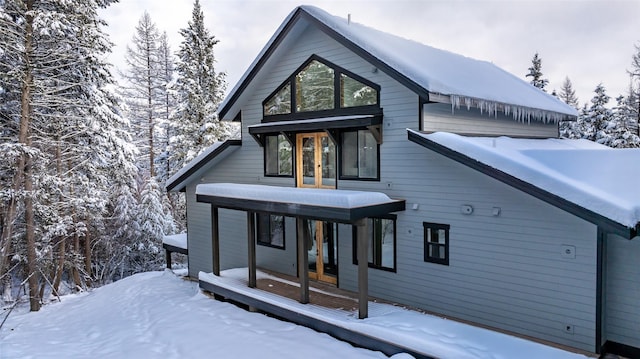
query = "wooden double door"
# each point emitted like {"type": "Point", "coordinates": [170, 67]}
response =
{"type": "Point", "coordinates": [316, 168]}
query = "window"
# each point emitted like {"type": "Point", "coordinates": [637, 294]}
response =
{"type": "Point", "coordinates": [436, 243]}
{"type": "Point", "coordinates": [360, 155]}
{"type": "Point", "coordinates": [355, 93]}
{"type": "Point", "coordinates": [319, 85]}
{"type": "Point", "coordinates": [382, 244]}
{"type": "Point", "coordinates": [280, 103]}
{"type": "Point", "coordinates": [270, 230]}
{"type": "Point", "coordinates": [278, 156]}
{"type": "Point", "coordinates": [314, 88]}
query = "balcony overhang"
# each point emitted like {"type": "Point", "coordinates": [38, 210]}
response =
{"type": "Point", "coordinates": [329, 124]}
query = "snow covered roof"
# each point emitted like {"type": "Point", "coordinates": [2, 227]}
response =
{"type": "Point", "coordinates": [597, 178]}
{"type": "Point", "coordinates": [337, 205]}
{"type": "Point", "coordinates": [176, 240]}
{"type": "Point", "coordinates": [201, 163]}
{"type": "Point", "coordinates": [461, 80]}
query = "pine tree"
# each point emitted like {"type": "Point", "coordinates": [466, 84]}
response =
{"type": "Point", "coordinates": [167, 64]}
{"type": "Point", "coordinates": [200, 89]}
{"type": "Point", "coordinates": [634, 90]}
{"type": "Point", "coordinates": [69, 140]}
{"type": "Point", "coordinates": [617, 133]}
{"type": "Point", "coordinates": [144, 90]}
{"type": "Point", "coordinates": [535, 72]}
{"type": "Point", "coordinates": [568, 94]}
{"type": "Point", "coordinates": [596, 119]}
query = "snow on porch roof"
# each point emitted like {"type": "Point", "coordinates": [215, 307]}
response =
{"type": "Point", "coordinates": [426, 70]}
{"type": "Point", "coordinates": [594, 177]}
{"type": "Point", "coordinates": [332, 205]}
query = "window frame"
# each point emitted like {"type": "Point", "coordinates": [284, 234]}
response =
{"type": "Point", "coordinates": [341, 149]}
{"type": "Point", "coordinates": [337, 93]}
{"type": "Point", "coordinates": [436, 226]}
{"type": "Point", "coordinates": [354, 236]}
{"type": "Point", "coordinates": [265, 154]}
{"type": "Point", "coordinates": [270, 231]}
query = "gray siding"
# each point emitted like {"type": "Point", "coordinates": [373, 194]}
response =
{"type": "Point", "coordinates": [622, 283]}
{"type": "Point", "coordinates": [440, 117]}
{"type": "Point", "coordinates": [505, 271]}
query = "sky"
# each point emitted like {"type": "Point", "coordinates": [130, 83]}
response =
{"type": "Point", "coordinates": [159, 315]}
{"type": "Point", "coordinates": [591, 42]}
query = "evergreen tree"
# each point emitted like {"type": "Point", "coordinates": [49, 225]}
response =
{"type": "Point", "coordinates": [596, 119]}
{"type": "Point", "coordinates": [568, 94]}
{"type": "Point", "coordinates": [200, 89]}
{"type": "Point", "coordinates": [617, 132]}
{"type": "Point", "coordinates": [145, 90]}
{"type": "Point", "coordinates": [535, 72]}
{"type": "Point", "coordinates": [166, 62]}
{"type": "Point", "coordinates": [634, 89]}
{"type": "Point", "coordinates": [69, 139]}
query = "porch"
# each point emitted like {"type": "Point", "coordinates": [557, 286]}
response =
{"type": "Point", "coordinates": [390, 328]}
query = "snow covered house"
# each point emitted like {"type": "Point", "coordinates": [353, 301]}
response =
{"type": "Point", "coordinates": [444, 173]}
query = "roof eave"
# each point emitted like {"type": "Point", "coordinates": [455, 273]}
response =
{"type": "Point", "coordinates": [607, 224]}
{"type": "Point", "coordinates": [300, 13]}
{"type": "Point", "coordinates": [179, 183]}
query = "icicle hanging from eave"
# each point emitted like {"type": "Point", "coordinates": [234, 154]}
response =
{"type": "Point", "coordinates": [519, 113]}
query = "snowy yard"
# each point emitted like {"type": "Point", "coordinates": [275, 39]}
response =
{"type": "Point", "coordinates": [159, 315]}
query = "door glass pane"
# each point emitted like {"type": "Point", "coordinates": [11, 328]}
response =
{"type": "Point", "coordinates": [329, 249]}
{"type": "Point", "coordinates": [310, 238]}
{"type": "Point", "coordinates": [328, 162]}
{"type": "Point", "coordinates": [308, 161]}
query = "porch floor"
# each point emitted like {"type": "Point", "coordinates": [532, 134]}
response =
{"type": "Point", "coordinates": [389, 328]}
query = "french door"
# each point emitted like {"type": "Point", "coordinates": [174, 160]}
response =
{"type": "Point", "coordinates": [316, 168]}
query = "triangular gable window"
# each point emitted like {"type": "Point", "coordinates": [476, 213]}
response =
{"type": "Point", "coordinates": [279, 103]}
{"type": "Point", "coordinates": [322, 88]}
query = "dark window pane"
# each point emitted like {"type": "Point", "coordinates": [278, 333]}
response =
{"type": "Point", "coordinates": [270, 230]}
{"type": "Point", "coordinates": [271, 155]}
{"type": "Point", "coordinates": [355, 93]}
{"type": "Point", "coordinates": [278, 156]}
{"type": "Point", "coordinates": [368, 155]}
{"type": "Point", "coordinates": [436, 243]}
{"type": "Point", "coordinates": [350, 154]}
{"type": "Point", "coordinates": [314, 88]}
{"type": "Point", "coordinates": [381, 250]}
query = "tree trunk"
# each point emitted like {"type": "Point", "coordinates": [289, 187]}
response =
{"type": "Point", "coordinates": [75, 273]}
{"type": "Point", "coordinates": [87, 258]}
{"type": "Point", "coordinates": [25, 138]}
{"type": "Point", "coordinates": [62, 249]}
{"type": "Point", "coordinates": [30, 236]}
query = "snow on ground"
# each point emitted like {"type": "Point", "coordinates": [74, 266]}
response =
{"type": "Point", "coordinates": [158, 315]}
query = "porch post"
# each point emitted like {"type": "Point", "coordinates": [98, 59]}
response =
{"type": "Point", "coordinates": [363, 267]}
{"type": "Point", "coordinates": [303, 262]}
{"type": "Point", "coordinates": [215, 241]}
{"type": "Point", "coordinates": [251, 244]}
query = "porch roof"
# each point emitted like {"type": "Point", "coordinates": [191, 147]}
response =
{"type": "Point", "coordinates": [329, 124]}
{"type": "Point", "coordinates": [340, 206]}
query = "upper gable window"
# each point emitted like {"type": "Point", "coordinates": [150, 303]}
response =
{"type": "Point", "coordinates": [280, 103]}
{"type": "Point", "coordinates": [355, 93]}
{"type": "Point", "coordinates": [314, 88]}
{"type": "Point", "coordinates": [318, 85]}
